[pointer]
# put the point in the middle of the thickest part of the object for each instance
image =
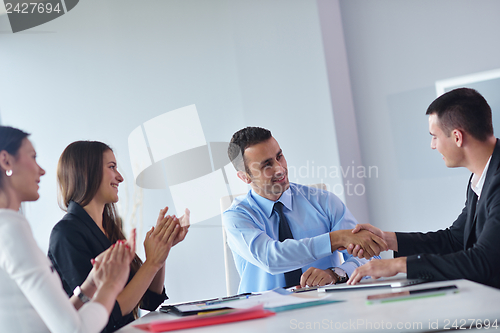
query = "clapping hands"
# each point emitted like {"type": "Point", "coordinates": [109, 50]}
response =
{"type": "Point", "coordinates": [184, 223]}
{"type": "Point", "coordinates": [167, 233]}
{"type": "Point", "coordinates": [112, 267]}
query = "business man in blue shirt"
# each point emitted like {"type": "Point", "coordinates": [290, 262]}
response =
{"type": "Point", "coordinates": [320, 224]}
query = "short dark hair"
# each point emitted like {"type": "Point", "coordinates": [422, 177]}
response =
{"type": "Point", "coordinates": [243, 139]}
{"type": "Point", "coordinates": [11, 140]}
{"type": "Point", "coordinates": [464, 109]}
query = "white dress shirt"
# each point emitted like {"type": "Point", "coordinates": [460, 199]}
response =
{"type": "Point", "coordinates": [31, 295]}
{"type": "Point", "coordinates": [477, 184]}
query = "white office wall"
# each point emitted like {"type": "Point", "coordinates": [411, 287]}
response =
{"type": "Point", "coordinates": [396, 51]}
{"type": "Point", "coordinates": [354, 172]}
{"type": "Point", "coordinates": [106, 67]}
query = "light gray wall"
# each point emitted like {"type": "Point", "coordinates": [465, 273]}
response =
{"type": "Point", "coordinates": [396, 51]}
{"type": "Point", "coordinates": [106, 67]}
{"type": "Point", "coordinates": [354, 172]}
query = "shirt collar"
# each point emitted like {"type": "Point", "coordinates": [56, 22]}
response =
{"type": "Point", "coordinates": [267, 205]}
{"type": "Point", "coordinates": [478, 187]}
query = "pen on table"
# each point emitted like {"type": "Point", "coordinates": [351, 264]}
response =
{"type": "Point", "coordinates": [218, 312]}
{"type": "Point", "coordinates": [410, 295]}
{"type": "Point", "coordinates": [227, 299]}
{"type": "Point", "coordinates": [210, 300]}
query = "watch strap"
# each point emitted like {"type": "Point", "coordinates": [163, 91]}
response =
{"type": "Point", "coordinates": [79, 293]}
{"type": "Point", "coordinates": [340, 274]}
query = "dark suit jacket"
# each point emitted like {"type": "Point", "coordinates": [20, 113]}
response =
{"type": "Point", "coordinates": [470, 248]}
{"type": "Point", "coordinates": [73, 242]}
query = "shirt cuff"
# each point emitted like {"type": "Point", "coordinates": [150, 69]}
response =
{"type": "Point", "coordinates": [152, 300]}
{"type": "Point", "coordinates": [322, 246]}
{"type": "Point", "coordinates": [348, 267]}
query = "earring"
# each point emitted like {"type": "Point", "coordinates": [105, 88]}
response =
{"type": "Point", "coordinates": [8, 173]}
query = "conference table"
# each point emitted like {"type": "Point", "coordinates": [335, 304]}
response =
{"type": "Point", "coordinates": [475, 306]}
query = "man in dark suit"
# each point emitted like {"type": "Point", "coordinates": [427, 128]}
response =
{"type": "Point", "coordinates": [460, 123]}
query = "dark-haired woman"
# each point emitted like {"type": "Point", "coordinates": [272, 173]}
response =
{"type": "Point", "coordinates": [88, 182]}
{"type": "Point", "coordinates": [31, 297]}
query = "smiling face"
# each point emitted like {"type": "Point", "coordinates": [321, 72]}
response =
{"type": "Point", "coordinates": [448, 146]}
{"type": "Point", "coordinates": [268, 173]}
{"type": "Point", "coordinates": [108, 190]}
{"type": "Point", "coordinates": [26, 173]}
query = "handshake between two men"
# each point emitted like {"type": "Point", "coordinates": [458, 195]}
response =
{"type": "Point", "coordinates": [364, 241]}
{"type": "Point", "coordinates": [460, 125]}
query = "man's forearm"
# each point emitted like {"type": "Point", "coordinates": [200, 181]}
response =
{"type": "Point", "coordinates": [391, 240]}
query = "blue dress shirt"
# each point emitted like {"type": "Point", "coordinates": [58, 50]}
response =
{"type": "Point", "coordinates": [253, 231]}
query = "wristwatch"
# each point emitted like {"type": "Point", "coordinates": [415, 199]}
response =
{"type": "Point", "coordinates": [340, 274]}
{"type": "Point", "coordinates": [79, 293]}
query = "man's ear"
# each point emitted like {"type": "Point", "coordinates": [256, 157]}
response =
{"type": "Point", "coordinates": [244, 177]}
{"type": "Point", "coordinates": [458, 137]}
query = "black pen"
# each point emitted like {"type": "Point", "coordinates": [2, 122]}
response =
{"type": "Point", "coordinates": [410, 294]}
{"type": "Point", "coordinates": [228, 298]}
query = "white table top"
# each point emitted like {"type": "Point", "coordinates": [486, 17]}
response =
{"type": "Point", "coordinates": [474, 304]}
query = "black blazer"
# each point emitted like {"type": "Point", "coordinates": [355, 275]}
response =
{"type": "Point", "coordinates": [73, 242]}
{"type": "Point", "coordinates": [470, 248]}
